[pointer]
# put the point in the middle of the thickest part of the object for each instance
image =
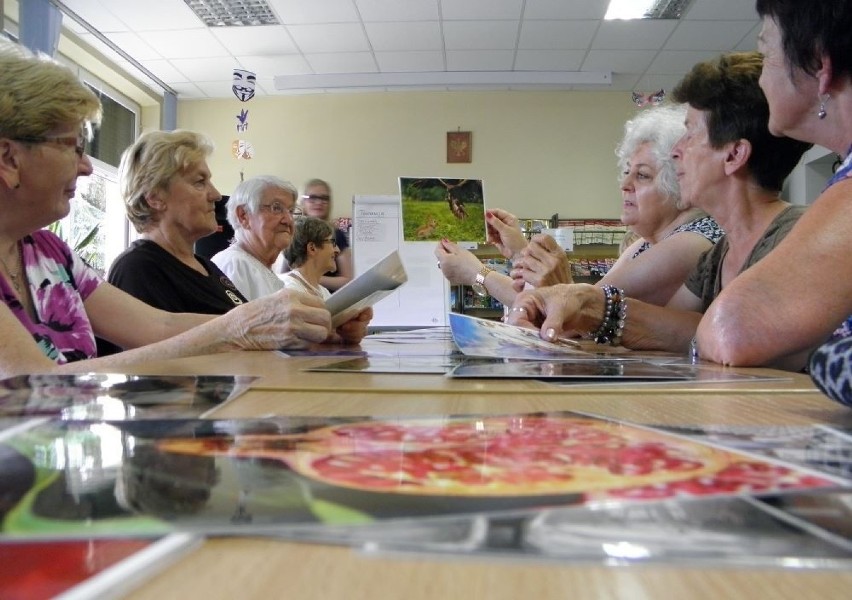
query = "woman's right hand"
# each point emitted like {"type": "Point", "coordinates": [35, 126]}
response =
{"type": "Point", "coordinates": [285, 319]}
{"type": "Point", "coordinates": [543, 262]}
{"type": "Point", "coordinates": [559, 310]}
{"type": "Point", "coordinates": [458, 264]}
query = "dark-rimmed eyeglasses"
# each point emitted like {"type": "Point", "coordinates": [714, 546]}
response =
{"type": "Point", "coordinates": [78, 142]}
{"type": "Point", "coordinates": [317, 197]}
{"type": "Point", "coordinates": [276, 208]}
{"type": "Point", "coordinates": [332, 241]}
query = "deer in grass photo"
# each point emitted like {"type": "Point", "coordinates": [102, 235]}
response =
{"type": "Point", "coordinates": [455, 203]}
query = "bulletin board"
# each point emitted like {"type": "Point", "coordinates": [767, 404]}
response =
{"type": "Point", "coordinates": [377, 230]}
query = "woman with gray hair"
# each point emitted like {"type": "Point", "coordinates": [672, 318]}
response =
{"type": "Point", "coordinates": [311, 253]}
{"type": "Point", "coordinates": [261, 211]}
{"type": "Point", "coordinates": [671, 237]}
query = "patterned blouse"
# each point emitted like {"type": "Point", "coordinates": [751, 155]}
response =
{"type": "Point", "coordinates": [59, 282]}
{"type": "Point", "coordinates": [831, 363]}
{"type": "Point", "coordinates": [705, 226]}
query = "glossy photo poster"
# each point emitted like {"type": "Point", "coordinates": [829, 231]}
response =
{"type": "Point", "coordinates": [434, 208]}
{"type": "Point", "coordinates": [524, 355]}
{"type": "Point", "coordinates": [493, 339]}
{"type": "Point", "coordinates": [776, 531]}
{"type": "Point", "coordinates": [273, 476]}
{"type": "Point", "coordinates": [823, 448]}
{"type": "Point", "coordinates": [97, 396]}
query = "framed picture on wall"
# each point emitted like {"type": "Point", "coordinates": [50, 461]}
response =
{"type": "Point", "coordinates": [459, 146]}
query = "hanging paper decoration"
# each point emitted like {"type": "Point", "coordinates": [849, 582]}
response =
{"type": "Point", "coordinates": [244, 84]}
{"type": "Point", "coordinates": [241, 149]}
{"type": "Point", "coordinates": [653, 99]}
{"type": "Point", "coordinates": [242, 121]}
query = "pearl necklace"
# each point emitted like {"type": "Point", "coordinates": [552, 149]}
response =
{"type": "Point", "coordinates": [13, 275]}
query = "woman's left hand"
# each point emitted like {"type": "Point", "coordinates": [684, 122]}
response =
{"type": "Point", "coordinates": [352, 331]}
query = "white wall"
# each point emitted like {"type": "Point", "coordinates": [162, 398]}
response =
{"type": "Point", "coordinates": [537, 152]}
{"type": "Point", "coordinates": [809, 177]}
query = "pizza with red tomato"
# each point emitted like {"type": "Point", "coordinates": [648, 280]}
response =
{"type": "Point", "coordinates": [489, 456]}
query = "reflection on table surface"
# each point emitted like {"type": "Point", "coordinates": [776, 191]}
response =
{"type": "Point", "coordinates": [389, 567]}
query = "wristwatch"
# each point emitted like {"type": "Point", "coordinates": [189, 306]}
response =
{"type": "Point", "coordinates": [479, 283]}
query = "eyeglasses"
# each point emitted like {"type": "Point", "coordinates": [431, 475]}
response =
{"type": "Point", "coordinates": [332, 241]}
{"type": "Point", "coordinates": [78, 142]}
{"type": "Point", "coordinates": [276, 208]}
{"type": "Point", "coordinates": [317, 198]}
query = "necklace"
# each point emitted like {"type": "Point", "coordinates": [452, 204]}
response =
{"type": "Point", "coordinates": [13, 275]}
{"type": "Point", "coordinates": [312, 289]}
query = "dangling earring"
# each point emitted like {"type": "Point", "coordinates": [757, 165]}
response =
{"type": "Point", "coordinates": [821, 113]}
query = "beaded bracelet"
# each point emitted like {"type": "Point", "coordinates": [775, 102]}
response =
{"type": "Point", "coordinates": [615, 315]}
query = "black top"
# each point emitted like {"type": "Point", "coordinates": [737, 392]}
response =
{"type": "Point", "coordinates": [155, 276]}
{"type": "Point", "coordinates": [150, 273]}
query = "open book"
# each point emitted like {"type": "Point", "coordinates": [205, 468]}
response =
{"type": "Point", "coordinates": [368, 288]}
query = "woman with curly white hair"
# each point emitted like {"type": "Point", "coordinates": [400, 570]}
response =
{"type": "Point", "coordinates": [671, 236]}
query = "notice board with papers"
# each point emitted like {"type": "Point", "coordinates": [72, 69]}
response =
{"type": "Point", "coordinates": [423, 301]}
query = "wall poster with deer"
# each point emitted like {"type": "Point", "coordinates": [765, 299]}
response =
{"type": "Point", "coordinates": [434, 208]}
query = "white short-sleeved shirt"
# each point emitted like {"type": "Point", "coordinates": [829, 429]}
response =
{"type": "Point", "coordinates": [293, 281]}
{"type": "Point", "coordinates": [253, 278]}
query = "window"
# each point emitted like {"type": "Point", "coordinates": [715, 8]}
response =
{"type": "Point", "coordinates": [117, 130]}
{"type": "Point", "coordinates": [96, 227]}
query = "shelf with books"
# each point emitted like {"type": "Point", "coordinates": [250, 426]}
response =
{"type": "Point", "coordinates": [597, 243]}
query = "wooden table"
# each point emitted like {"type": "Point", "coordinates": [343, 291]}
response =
{"type": "Point", "coordinates": [263, 568]}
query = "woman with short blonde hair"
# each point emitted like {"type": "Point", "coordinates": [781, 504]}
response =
{"type": "Point", "coordinates": [154, 160]}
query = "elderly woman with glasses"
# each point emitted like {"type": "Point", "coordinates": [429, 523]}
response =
{"type": "Point", "coordinates": [261, 211]}
{"type": "Point", "coordinates": [311, 253]}
{"type": "Point", "coordinates": [52, 304]}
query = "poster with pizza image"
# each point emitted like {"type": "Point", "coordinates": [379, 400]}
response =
{"type": "Point", "coordinates": [227, 477]}
{"type": "Point", "coordinates": [503, 461]}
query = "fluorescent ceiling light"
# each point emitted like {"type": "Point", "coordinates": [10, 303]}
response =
{"type": "Point", "coordinates": [646, 9]}
{"type": "Point", "coordinates": [233, 13]}
{"type": "Point", "coordinates": [466, 79]}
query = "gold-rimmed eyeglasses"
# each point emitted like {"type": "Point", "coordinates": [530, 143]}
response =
{"type": "Point", "coordinates": [78, 142]}
{"type": "Point", "coordinates": [276, 208]}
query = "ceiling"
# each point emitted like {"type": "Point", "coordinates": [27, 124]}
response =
{"type": "Point", "coordinates": [420, 40]}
